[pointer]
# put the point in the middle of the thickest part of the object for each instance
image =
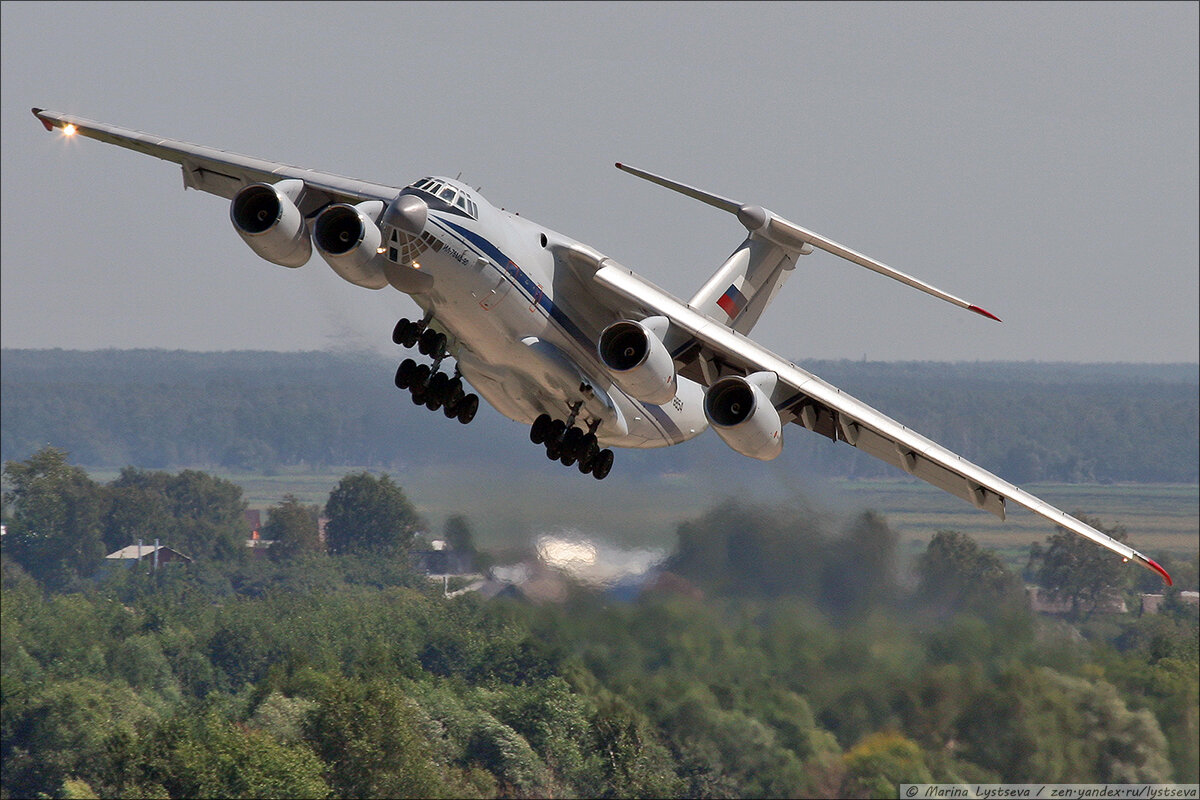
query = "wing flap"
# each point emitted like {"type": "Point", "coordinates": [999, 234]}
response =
{"type": "Point", "coordinates": [211, 170]}
{"type": "Point", "coordinates": [804, 398]}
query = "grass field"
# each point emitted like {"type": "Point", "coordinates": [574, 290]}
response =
{"type": "Point", "coordinates": [1158, 517]}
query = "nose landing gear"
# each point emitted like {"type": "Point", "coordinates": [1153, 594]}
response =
{"type": "Point", "coordinates": [430, 387]}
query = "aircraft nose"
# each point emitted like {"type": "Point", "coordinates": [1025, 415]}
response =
{"type": "Point", "coordinates": [408, 213]}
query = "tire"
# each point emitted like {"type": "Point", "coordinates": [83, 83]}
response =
{"type": "Point", "coordinates": [572, 442]}
{"type": "Point", "coordinates": [466, 409]}
{"type": "Point", "coordinates": [539, 429]}
{"type": "Point", "coordinates": [404, 373]}
{"type": "Point", "coordinates": [603, 464]}
{"type": "Point", "coordinates": [401, 331]}
{"type": "Point", "coordinates": [427, 342]}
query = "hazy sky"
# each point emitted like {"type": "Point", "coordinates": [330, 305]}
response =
{"type": "Point", "coordinates": [1038, 159]}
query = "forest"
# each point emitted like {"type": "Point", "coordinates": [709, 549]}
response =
{"type": "Point", "coordinates": [255, 411]}
{"type": "Point", "coordinates": [768, 655]}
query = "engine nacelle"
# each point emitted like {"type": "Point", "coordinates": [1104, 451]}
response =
{"type": "Point", "coordinates": [740, 411]}
{"type": "Point", "coordinates": [266, 218]}
{"type": "Point", "coordinates": [638, 360]}
{"type": "Point", "coordinates": [348, 239]}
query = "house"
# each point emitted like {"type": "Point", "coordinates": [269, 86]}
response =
{"type": "Point", "coordinates": [153, 555]}
{"type": "Point", "coordinates": [441, 560]}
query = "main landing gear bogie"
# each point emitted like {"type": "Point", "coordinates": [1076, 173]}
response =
{"type": "Point", "coordinates": [429, 386]}
{"type": "Point", "coordinates": [570, 445]}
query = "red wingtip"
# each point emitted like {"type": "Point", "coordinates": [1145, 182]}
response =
{"type": "Point", "coordinates": [37, 112]}
{"type": "Point", "coordinates": [984, 313]}
{"type": "Point", "coordinates": [1154, 566]}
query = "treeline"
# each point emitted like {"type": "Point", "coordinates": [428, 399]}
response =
{"type": "Point", "coordinates": [265, 411]}
{"type": "Point", "coordinates": [770, 656]}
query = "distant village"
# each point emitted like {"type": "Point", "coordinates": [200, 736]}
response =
{"type": "Point", "coordinates": [542, 582]}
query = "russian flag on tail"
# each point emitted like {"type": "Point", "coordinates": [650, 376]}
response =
{"type": "Point", "coordinates": [732, 302]}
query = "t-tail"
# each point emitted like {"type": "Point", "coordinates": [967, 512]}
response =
{"type": "Point", "coordinates": [739, 292]}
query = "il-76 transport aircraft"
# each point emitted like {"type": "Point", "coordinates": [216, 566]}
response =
{"type": "Point", "coordinates": [556, 335]}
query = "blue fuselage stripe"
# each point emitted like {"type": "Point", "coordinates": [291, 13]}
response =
{"type": "Point", "coordinates": [536, 296]}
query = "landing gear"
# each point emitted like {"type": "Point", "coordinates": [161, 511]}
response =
{"type": "Point", "coordinates": [429, 386]}
{"type": "Point", "coordinates": [570, 445]}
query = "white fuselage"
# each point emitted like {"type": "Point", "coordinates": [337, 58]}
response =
{"type": "Point", "coordinates": [522, 327]}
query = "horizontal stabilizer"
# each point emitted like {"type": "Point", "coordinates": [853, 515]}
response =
{"type": "Point", "coordinates": [793, 237]}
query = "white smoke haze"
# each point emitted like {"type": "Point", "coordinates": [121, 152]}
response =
{"type": "Point", "coordinates": [593, 561]}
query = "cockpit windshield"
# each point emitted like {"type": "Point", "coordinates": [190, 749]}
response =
{"type": "Point", "coordinates": [451, 197]}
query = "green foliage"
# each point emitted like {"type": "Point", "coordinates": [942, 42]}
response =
{"type": "Point", "coordinates": [955, 574]}
{"type": "Point", "coordinates": [294, 528]}
{"type": "Point", "coordinates": [204, 515]}
{"type": "Point", "coordinates": [876, 766]}
{"type": "Point", "coordinates": [1073, 568]}
{"type": "Point", "coordinates": [369, 737]}
{"type": "Point", "coordinates": [316, 676]}
{"type": "Point", "coordinates": [369, 515]}
{"type": "Point", "coordinates": [55, 527]}
{"type": "Point", "coordinates": [210, 756]}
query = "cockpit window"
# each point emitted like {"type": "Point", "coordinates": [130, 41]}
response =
{"type": "Point", "coordinates": [447, 194]}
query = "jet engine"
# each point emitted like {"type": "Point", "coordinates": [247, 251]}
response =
{"type": "Point", "coordinates": [266, 218]}
{"type": "Point", "coordinates": [740, 411]}
{"type": "Point", "coordinates": [638, 360]}
{"type": "Point", "coordinates": [348, 239]}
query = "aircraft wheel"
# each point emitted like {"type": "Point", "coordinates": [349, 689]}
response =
{"type": "Point", "coordinates": [466, 408]}
{"type": "Point", "coordinates": [588, 451]}
{"type": "Point", "coordinates": [554, 434]}
{"type": "Point", "coordinates": [404, 373]}
{"type": "Point", "coordinates": [431, 343]}
{"type": "Point", "coordinates": [450, 409]}
{"type": "Point", "coordinates": [454, 391]}
{"type": "Point", "coordinates": [572, 440]}
{"type": "Point", "coordinates": [552, 451]}
{"type": "Point", "coordinates": [435, 391]}
{"type": "Point", "coordinates": [401, 333]}
{"type": "Point", "coordinates": [603, 464]}
{"type": "Point", "coordinates": [417, 383]}
{"type": "Point", "coordinates": [540, 428]}
{"type": "Point", "coordinates": [566, 456]}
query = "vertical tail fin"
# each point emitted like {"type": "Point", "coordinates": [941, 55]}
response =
{"type": "Point", "coordinates": [739, 292]}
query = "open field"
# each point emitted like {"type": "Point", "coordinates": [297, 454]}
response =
{"type": "Point", "coordinates": [630, 512]}
{"type": "Point", "coordinates": [1158, 517]}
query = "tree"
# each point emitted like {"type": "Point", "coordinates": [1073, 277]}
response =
{"type": "Point", "coordinates": [294, 528]}
{"type": "Point", "coordinates": [1073, 568]}
{"type": "Point", "coordinates": [55, 531]}
{"type": "Point", "coordinates": [955, 573]}
{"type": "Point", "coordinates": [207, 513]}
{"type": "Point", "coordinates": [369, 515]}
{"type": "Point", "coordinates": [459, 535]}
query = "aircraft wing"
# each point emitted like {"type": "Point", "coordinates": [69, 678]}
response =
{"type": "Point", "coordinates": [217, 171]}
{"type": "Point", "coordinates": [806, 400]}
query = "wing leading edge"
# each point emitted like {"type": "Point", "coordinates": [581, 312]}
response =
{"type": "Point", "coordinates": [216, 171]}
{"type": "Point", "coordinates": [816, 405]}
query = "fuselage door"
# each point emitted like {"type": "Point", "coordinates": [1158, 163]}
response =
{"type": "Point", "coordinates": [494, 296]}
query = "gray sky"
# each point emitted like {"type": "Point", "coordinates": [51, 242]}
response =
{"type": "Point", "coordinates": [1037, 159]}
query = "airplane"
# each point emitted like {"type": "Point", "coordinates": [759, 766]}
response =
{"type": "Point", "coordinates": [556, 335]}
